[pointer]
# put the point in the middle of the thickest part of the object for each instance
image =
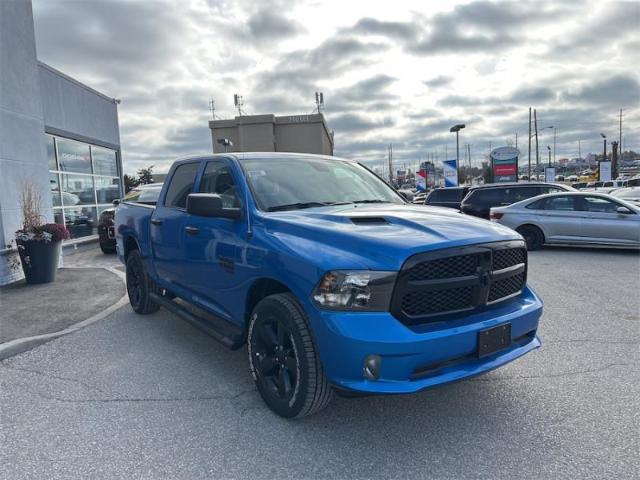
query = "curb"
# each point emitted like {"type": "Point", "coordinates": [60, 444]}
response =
{"type": "Point", "coordinates": [20, 345]}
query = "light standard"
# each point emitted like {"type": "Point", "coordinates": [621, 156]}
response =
{"type": "Point", "coordinates": [225, 142]}
{"type": "Point", "coordinates": [604, 155]}
{"type": "Point", "coordinates": [457, 128]}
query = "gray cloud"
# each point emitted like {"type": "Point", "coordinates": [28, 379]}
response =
{"type": "Point", "coordinates": [439, 81]}
{"type": "Point", "coordinates": [268, 26]}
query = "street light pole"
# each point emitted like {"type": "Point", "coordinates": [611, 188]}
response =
{"type": "Point", "coordinates": [456, 128]}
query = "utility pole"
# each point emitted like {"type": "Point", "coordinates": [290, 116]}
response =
{"type": "Point", "coordinates": [516, 139]}
{"type": "Point", "coordinates": [212, 107]}
{"type": "Point", "coordinates": [620, 136]}
{"type": "Point", "coordinates": [469, 153]}
{"type": "Point", "coordinates": [579, 151]}
{"type": "Point", "coordinates": [535, 122]}
{"type": "Point", "coordinates": [391, 164]}
{"type": "Point", "coordinates": [554, 145]}
{"type": "Point", "coordinates": [529, 175]}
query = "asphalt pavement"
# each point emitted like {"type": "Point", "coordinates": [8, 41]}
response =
{"type": "Point", "coordinates": [151, 397]}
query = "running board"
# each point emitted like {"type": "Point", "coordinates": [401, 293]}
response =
{"type": "Point", "coordinates": [226, 333]}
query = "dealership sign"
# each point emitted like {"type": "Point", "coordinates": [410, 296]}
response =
{"type": "Point", "coordinates": [605, 171]}
{"type": "Point", "coordinates": [504, 161]}
{"type": "Point", "coordinates": [426, 176]}
{"type": "Point", "coordinates": [450, 172]}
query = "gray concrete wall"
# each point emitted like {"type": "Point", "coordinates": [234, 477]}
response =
{"type": "Point", "coordinates": [22, 140]}
{"type": "Point", "coordinates": [72, 107]}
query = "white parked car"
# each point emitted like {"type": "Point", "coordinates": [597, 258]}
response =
{"type": "Point", "coordinates": [573, 218]}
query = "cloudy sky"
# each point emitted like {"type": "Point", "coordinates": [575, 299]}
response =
{"type": "Point", "coordinates": [391, 72]}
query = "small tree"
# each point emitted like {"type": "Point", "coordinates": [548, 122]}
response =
{"type": "Point", "coordinates": [145, 175]}
{"type": "Point", "coordinates": [130, 182]}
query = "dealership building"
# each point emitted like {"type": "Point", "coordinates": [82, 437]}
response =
{"type": "Point", "coordinates": [56, 133]}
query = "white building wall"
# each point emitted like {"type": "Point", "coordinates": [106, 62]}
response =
{"type": "Point", "coordinates": [22, 141]}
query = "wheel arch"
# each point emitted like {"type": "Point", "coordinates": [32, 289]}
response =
{"type": "Point", "coordinates": [534, 225]}
{"type": "Point", "coordinates": [130, 244]}
{"type": "Point", "coordinates": [261, 288]}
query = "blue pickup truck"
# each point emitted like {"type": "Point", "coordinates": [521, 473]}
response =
{"type": "Point", "coordinates": [333, 281]}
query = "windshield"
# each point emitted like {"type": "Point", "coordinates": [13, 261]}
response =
{"type": "Point", "coordinates": [304, 182]}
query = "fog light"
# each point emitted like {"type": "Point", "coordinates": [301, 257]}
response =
{"type": "Point", "coordinates": [371, 368]}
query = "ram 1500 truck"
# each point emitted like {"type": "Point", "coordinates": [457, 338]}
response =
{"type": "Point", "coordinates": [334, 281]}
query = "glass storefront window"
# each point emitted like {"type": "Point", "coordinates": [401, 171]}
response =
{"type": "Point", "coordinates": [77, 190]}
{"type": "Point", "coordinates": [54, 185]}
{"type": "Point", "coordinates": [51, 153]}
{"type": "Point", "coordinates": [73, 156]}
{"type": "Point", "coordinates": [107, 189]}
{"type": "Point", "coordinates": [84, 180]}
{"type": "Point", "coordinates": [104, 162]}
{"type": "Point", "coordinates": [81, 221]}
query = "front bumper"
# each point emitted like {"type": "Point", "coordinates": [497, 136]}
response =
{"type": "Point", "coordinates": [423, 356]}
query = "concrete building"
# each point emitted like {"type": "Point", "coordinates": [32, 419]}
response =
{"type": "Point", "coordinates": [268, 133]}
{"type": "Point", "coordinates": [55, 132]}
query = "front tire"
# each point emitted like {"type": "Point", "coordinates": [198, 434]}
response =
{"type": "Point", "coordinates": [283, 358]}
{"type": "Point", "coordinates": [139, 285]}
{"type": "Point", "coordinates": [533, 236]}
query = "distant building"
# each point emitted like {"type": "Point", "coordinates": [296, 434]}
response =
{"type": "Point", "coordinates": [268, 133]}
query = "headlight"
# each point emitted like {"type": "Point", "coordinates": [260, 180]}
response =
{"type": "Point", "coordinates": [363, 290]}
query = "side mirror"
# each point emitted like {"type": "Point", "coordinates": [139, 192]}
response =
{"type": "Point", "coordinates": [209, 205]}
{"type": "Point", "coordinates": [116, 202]}
{"type": "Point", "coordinates": [623, 210]}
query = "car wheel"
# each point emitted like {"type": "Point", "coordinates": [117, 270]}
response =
{"type": "Point", "coordinates": [283, 358]}
{"type": "Point", "coordinates": [139, 285]}
{"type": "Point", "coordinates": [533, 236]}
{"type": "Point", "coordinates": [107, 249]}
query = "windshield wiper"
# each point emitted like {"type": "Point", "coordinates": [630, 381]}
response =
{"type": "Point", "coordinates": [298, 206]}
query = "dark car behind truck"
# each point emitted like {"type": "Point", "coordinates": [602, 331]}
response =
{"type": "Point", "coordinates": [332, 280]}
{"type": "Point", "coordinates": [480, 199]}
{"type": "Point", "coordinates": [450, 197]}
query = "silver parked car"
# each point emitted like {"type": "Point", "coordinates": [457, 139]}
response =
{"type": "Point", "coordinates": [573, 218]}
{"type": "Point", "coordinates": [628, 194]}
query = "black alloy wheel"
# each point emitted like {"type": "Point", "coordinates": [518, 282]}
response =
{"type": "Point", "coordinates": [139, 285]}
{"type": "Point", "coordinates": [533, 236]}
{"type": "Point", "coordinates": [283, 358]}
{"type": "Point", "coordinates": [276, 359]}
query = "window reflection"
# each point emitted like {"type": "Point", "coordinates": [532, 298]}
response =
{"type": "Point", "coordinates": [107, 189]}
{"type": "Point", "coordinates": [77, 190]}
{"type": "Point", "coordinates": [54, 185]}
{"type": "Point", "coordinates": [73, 156]}
{"type": "Point", "coordinates": [81, 222]}
{"type": "Point", "coordinates": [51, 153]}
{"type": "Point", "coordinates": [104, 162]}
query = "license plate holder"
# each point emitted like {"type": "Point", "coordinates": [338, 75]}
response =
{"type": "Point", "coordinates": [494, 339]}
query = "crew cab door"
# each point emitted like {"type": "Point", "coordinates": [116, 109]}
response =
{"type": "Point", "coordinates": [167, 226]}
{"type": "Point", "coordinates": [213, 245]}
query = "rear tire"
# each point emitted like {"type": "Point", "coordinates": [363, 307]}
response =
{"type": "Point", "coordinates": [532, 235]}
{"type": "Point", "coordinates": [139, 285]}
{"type": "Point", "coordinates": [107, 249]}
{"type": "Point", "coordinates": [283, 358]}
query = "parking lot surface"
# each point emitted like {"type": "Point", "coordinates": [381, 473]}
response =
{"type": "Point", "coordinates": [151, 397]}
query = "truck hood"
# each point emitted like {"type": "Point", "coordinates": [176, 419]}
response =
{"type": "Point", "coordinates": [377, 236]}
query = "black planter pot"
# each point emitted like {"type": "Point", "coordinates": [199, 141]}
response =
{"type": "Point", "coordinates": [39, 260]}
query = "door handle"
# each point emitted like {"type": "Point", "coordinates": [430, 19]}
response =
{"type": "Point", "coordinates": [192, 230]}
{"type": "Point", "coordinates": [156, 221]}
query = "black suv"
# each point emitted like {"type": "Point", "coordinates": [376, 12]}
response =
{"type": "Point", "coordinates": [446, 197]}
{"type": "Point", "coordinates": [479, 200]}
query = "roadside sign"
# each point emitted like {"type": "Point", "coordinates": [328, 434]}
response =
{"type": "Point", "coordinates": [550, 174]}
{"type": "Point", "coordinates": [605, 172]}
{"type": "Point", "coordinates": [504, 161]}
{"type": "Point", "coordinates": [450, 172]}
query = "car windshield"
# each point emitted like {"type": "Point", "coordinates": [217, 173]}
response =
{"type": "Point", "coordinates": [306, 182]}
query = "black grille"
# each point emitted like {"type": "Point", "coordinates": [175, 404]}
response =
{"type": "Point", "coordinates": [426, 303]}
{"type": "Point", "coordinates": [506, 287]}
{"type": "Point", "coordinates": [458, 266]}
{"type": "Point", "coordinates": [434, 284]}
{"type": "Point", "coordinates": [508, 257]}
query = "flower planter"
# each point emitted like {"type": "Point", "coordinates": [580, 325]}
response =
{"type": "Point", "coordinates": [39, 260]}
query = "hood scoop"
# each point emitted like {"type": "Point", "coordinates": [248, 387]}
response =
{"type": "Point", "coordinates": [369, 220]}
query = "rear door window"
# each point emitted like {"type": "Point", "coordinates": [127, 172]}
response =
{"type": "Point", "coordinates": [516, 194]}
{"type": "Point", "coordinates": [562, 203]}
{"type": "Point", "coordinates": [181, 185]}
